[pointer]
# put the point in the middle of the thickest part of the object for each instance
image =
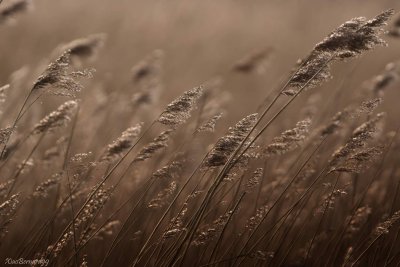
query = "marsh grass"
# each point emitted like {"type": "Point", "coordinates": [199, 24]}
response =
{"type": "Point", "coordinates": [286, 186]}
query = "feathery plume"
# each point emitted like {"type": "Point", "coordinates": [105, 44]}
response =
{"type": "Point", "coordinates": [178, 111]}
{"type": "Point", "coordinates": [149, 67]}
{"type": "Point", "coordinates": [122, 144]}
{"type": "Point", "coordinates": [3, 95]}
{"type": "Point", "coordinates": [367, 107]}
{"type": "Point", "coordinates": [255, 220]}
{"type": "Point", "coordinates": [56, 119]}
{"type": "Point", "coordinates": [254, 179]}
{"type": "Point", "coordinates": [5, 134]}
{"type": "Point", "coordinates": [349, 40]}
{"type": "Point", "coordinates": [57, 76]}
{"type": "Point", "coordinates": [335, 123]}
{"type": "Point", "coordinates": [90, 232]}
{"type": "Point", "coordinates": [176, 225]}
{"type": "Point", "coordinates": [329, 200]}
{"type": "Point", "coordinates": [358, 220]}
{"type": "Point", "coordinates": [85, 47]}
{"type": "Point", "coordinates": [255, 61]}
{"type": "Point", "coordinates": [80, 157]}
{"type": "Point", "coordinates": [163, 196]}
{"type": "Point", "coordinates": [13, 8]}
{"type": "Point", "coordinates": [146, 76]}
{"type": "Point", "coordinates": [211, 231]}
{"type": "Point", "coordinates": [158, 143]}
{"type": "Point", "coordinates": [227, 144]}
{"type": "Point", "coordinates": [355, 36]}
{"type": "Point", "coordinates": [359, 161]}
{"type": "Point", "coordinates": [89, 211]}
{"type": "Point", "coordinates": [395, 27]}
{"type": "Point", "coordinates": [168, 171]}
{"type": "Point", "coordinates": [379, 83]}
{"type": "Point", "coordinates": [384, 227]}
{"type": "Point", "coordinates": [96, 202]}
{"type": "Point", "coordinates": [289, 139]}
{"type": "Point", "coordinates": [313, 72]}
{"type": "Point", "coordinates": [358, 139]}
{"type": "Point", "coordinates": [87, 233]}
{"type": "Point", "coordinates": [7, 212]}
{"type": "Point", "coordinates": [8, 207]}
{"type": "Point", "coordinates": [4, 187]}
{"type": "Point", "coordinates": [209, 126]}
{"type": "Point", "coordinates": [107, 230]}
{"type": "Point", "coordinates": [42, 190]}
{"type": "Point", "coordinates": [12, 146]}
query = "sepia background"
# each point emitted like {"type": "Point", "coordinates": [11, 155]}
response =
{"type": "Point", "coordinates": [196, 43]}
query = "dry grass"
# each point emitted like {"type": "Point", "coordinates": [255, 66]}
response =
{"type": "Point", "coordinates": [98, 170]}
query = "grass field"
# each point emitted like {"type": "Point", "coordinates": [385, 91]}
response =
{"type": "Point", "coordinates": [199, 133]}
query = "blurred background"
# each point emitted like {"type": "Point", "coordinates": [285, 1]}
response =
{"type": "Point", "coordinates": [200, 39]}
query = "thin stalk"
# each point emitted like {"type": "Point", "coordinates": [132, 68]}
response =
{"type": "Point", "coordinates": [105, 178]}
{"type": "Point", "coordinates": [221, 235]}
{"type": "Point", "coordinates": [320, 223]}
{"type": "Point", "coordinates": [15, 177]}
{"type": "Point", "coordinates": [15, 122]}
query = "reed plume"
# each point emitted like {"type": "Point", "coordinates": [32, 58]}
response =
{"type": "Point", "coordinates": [335, 123]}
{"type": "Point", "coordinates": [179, 110]}
{"type": "Point", "coordinates": [381, 82]}
{"type": "Point", "coordinates": [384, 227]}
{"type": "Point", "coordinates": [209, 126]}
{"type": "Point", "coordinates": [257, 218]}
{"type": "Point", "coordinates": [13, 8]}
{"type": "Point", "coordinates": [349, 40]}
{"type": "Point", "coordinates": [7, 211]}
{"type": "Point", "coordinates": [168, 171]}
{"type": "Point", "coordinates": [5, 134]}
{"type": "Point", "coordinates": [3, 94]}
{"type": "Point", "coordinates": [176, 225]}
{"type": "Point", "coordinates": [163, 196]}
{"type": "Point", "coordinates": [255, 179]}
{"type": "Point", "coordinates": [122, 144]}
{"type": "Point", "coordinates": [42, 190]}
{"type": "Point", "coordinates": [56, 119]}
{"type": "Point", "coordinates": [358, 161]}
{"type": "Point", "coordinates": [211, 231]}
{"type": "Point", "coordinates": [358, 139]}
{"type": "Point", "coordinates": [289, 139]}
{"type": "Point", "coordinates": [253, 62]}
{"type": "Point", "coordinates": [227, 144]}
{"type": "Point", "coordinates": [321, 192]}
{"type": "Point", "coordinates": [395, 27]}
{"type": "Point", "coordinates": [85, 47]}
{"type": "Point", "coordinates": [146, 76]}
{"type": "Point", "coordinates": [358, 220]}
{"type": "Point", "coordinates": [367, 107]}
{"type": "Point", "coordinates": [57, 76]}
{"type": "Point", "coordinates": [89, 211]}
{"type": "Point", "coordinates": [160, 142]}
{"type": "Point", "coordinates": [4, 187]}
